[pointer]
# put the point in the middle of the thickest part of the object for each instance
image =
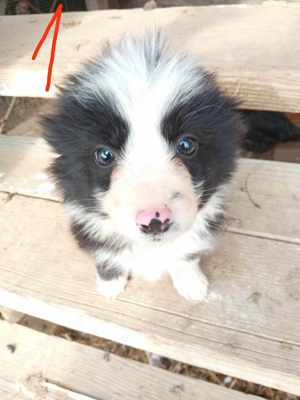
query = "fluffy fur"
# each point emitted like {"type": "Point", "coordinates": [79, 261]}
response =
{"type": "Point", "coordinates": [138, 99]}
{"type": "Point", "coordinates": [265, 129]}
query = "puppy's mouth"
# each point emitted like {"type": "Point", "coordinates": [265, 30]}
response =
{"type": "Point", "coordinates": [156, 227]}
{"type": "Point", "coordinates": [165, 234]}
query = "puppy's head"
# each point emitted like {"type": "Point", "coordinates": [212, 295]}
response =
{"type": "Point", "coordinates": [144, 139]}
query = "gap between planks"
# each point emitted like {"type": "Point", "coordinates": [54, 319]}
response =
{"type": "Point", "coordinates": [64, 369]}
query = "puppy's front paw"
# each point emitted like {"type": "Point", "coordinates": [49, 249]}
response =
{"type": "Point", "coordinates": [190, 283]}
{"type": "Point", "coordinates": [111, 288]}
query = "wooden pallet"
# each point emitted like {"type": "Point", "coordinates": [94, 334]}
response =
{"type": "Point", "coordinates": [254, 49]}
{"type": "Point", "coordinates": [37, 366]}
{"type": "Point", "coordinates": [249, 327]}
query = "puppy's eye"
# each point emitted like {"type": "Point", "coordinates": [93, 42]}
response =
{"type": "Point", "coordinates": [186, 146]}
{"type": "Point", "coordinates": [104, 156]}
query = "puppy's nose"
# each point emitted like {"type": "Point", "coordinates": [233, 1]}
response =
{"type": "Point", "coordinates": [155, 220]}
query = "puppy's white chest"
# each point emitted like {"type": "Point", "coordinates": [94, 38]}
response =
{"type": "Point", "coordinates": [150, 262]}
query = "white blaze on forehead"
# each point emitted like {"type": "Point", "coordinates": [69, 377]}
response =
{"type": "Point", "coordinates": [144, 79]}
{"type": "Point", "coordinates": [139, 69]}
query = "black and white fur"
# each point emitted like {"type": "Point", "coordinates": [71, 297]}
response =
{"type": "Point", "coordinates": [138, 98]}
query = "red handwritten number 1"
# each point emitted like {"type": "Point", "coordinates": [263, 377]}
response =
{"type": "Point", "coordinates": [56, 17]}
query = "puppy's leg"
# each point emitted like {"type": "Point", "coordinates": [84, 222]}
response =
{"type": "Point", "coordinates": [189, 280]}
{"type": "Point", "coordinates": [111, 278]}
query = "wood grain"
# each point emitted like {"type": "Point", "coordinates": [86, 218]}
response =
{"type": "Point", "coordinates": [261, 190]}
{"type": "Point", "coordinates": [254, 49]}
{"type": "Point", "coordinates": [263, 195]}
{"type": "Point", "coordinates": [29, 127]}
{"type": "Point", "coordinates": [23, 167]}
{"type": "Point", "coordinates": [249, 326]}
{"type": "Point", "coordinates": [62, 369]}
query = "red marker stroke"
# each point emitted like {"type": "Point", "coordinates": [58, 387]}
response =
{"type": "Point", "coordinates": [55, 18]}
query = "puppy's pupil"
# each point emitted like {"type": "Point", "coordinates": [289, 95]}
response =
{"type": "Point", "coordinates": [186, 146]}
{"type": "Point", "coordinates": [104, 156]}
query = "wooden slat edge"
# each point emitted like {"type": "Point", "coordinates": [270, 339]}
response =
{"type": "Point", "coordinates": [68, 317]}
{"type": "Point", "coordinates": [239, 42]}
{"type": "Point", "coordinates": [64, 368]}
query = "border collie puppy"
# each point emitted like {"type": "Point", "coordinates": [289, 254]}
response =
{"type": "Point", "coordinates": [146, 144]}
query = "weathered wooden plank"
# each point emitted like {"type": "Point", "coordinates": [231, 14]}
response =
{"type": "Point", "coordinates": [263, 194]}
{"type": "Point", "coordinates": [35, 391]}
{"type": "Point", "coordinates": [260, 190]}
{"type": "Point", "coordinates": [23, 165]}
{"type": "Point", "coordinates": [253, 58]}
{"type": "Point", "coordinates": [249, 326]}
{"type": "Point", "coordinates": [29, 127]}
{"type": "Point", "coordinates": [97, 375]}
